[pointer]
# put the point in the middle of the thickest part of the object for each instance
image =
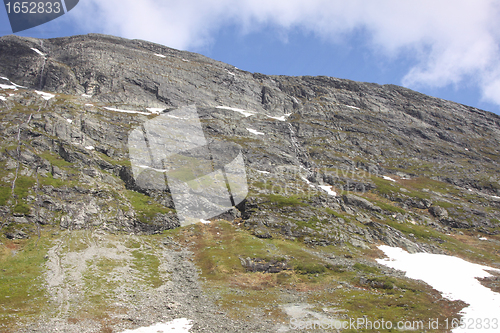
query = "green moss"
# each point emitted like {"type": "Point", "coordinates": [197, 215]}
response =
{"type": "Point", "coordinates": [113, 161]}
{"type": "Point", "coordinates": [280, 201]}
{"type": "Point", "coordinates": [336, 214]}
{"type": "Point", "coordinates": [384, 186]}
{"type": "Point", "coordinates": [23, 186]}
{"type": "Point", "coordinates": [5, 193]}
{"type": "Point", "coordinates": [417, 231]}
{"type": "Point", "coordinates": [56, 160]}
{"type": "Point", "coordinates": [145, 206]}
{"type": "Point", "coordinates": [309, 268]}
{"type": "Point", "coordinates": [50, 180]}
{"type": "Point", "coordinates": [389, 207]}
{"type": "Point", "coordinates": [148, 264]}
{"type": "Point", "coordinates": [365, 268]}
{"type": "Point", "coordinates": [22, 208]}
{"type": "Point", "coordinates": [22, 292]}
{"type": "Point", "coordinates": [444, 204]}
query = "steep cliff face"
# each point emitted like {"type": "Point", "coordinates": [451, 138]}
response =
{"type": "Point", "coordinates": [328, 127]}
{"type": "Point", "coordinates": [328, 161]}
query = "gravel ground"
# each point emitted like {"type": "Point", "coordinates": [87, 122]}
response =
{"type": "Point", "coordinates": [181, 296]}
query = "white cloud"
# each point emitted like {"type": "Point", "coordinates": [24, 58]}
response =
{"type": "Point", "coordinates": [452, 40]}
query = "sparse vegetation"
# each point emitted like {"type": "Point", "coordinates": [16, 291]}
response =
{"type": "Point", "coordinates": [146, 207]}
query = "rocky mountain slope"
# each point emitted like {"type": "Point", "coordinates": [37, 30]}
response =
{"type": "Point", "coordinates": [334, 168]}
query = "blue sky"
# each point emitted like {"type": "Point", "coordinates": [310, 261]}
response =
{"type": "Point", "coordinates": [448, 48]}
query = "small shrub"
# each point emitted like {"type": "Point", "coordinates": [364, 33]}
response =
{"type": "Point", "coordinates": [365, 268]}
{"type": "Point", "coordinates": [336, 268]}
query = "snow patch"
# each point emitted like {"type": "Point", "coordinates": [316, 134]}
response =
{"type": "Point", "coordinates": [328, 190]}
{"type": "Point", "coordinates": [150, 168]}
{"type": "Point", "coordinates": [306, 180]}
{"type": "Point", "coordinates": [160, 55]}
{"type": "Point", "coordinates": [175, 117]}
{"type": "Point", "coordinates": [388, 178]}
{"type": "Point", "coordinates": [243, 112]}
{"type": "Point", "coordinates": [16, 85]}
{"type": "Point", "coordinates": [39, 52]}
{"type": "Point", "coordinates": [254, 131]}
{"type": "Point", "coordinates": [45, 96]}
{"type": "Point", "coordinates": [155, 110]}
{"type": "Point", "coordinates": [69, 121]}
{"type": "Point", "coordinates": [230, 73]}
{"type": "Point", "coordinates": [204, 221]}
{"type": "Point", "coordinates": [3, 77]}
{"type": "Point", "coordinates": [90, 147]}
{"type": "Point", "coordinates": [495, 197]}
{"type": "Point", "coordinates": [483, 238]}
{"type": "Point", "coordinates": [126, 111]}
{"type": "Point", "coordinates": [2, 98]}
{"type": "Point", "coordinates": [89, 104]}
{"type": "Point", "coordinates": [175, 326]}
{"type": "Point", "coordinates": [185, 60]}
{"type": "Point", "coordinates": [8, 86]}
{"type": "Point", "coordinates": [353, 107]}
{"type": "Point", "coordinates": [282, 118]}
{"type": "Point", "coordinates": [87, 96]}
{"type": "Point", "coordinates": [263, 172]}
{"type": "Point", "coordinates": [455, 278]}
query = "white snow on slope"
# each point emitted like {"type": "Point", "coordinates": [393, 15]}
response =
{"type": "Point", "coordinates": [69, 121]}
{"type": "Point", "coordinates": [2, 98]}
{"type": "Point", "coordinates": [90, 147]}
{"type": "Point", "coordinates": [126, 111]}
{"type": "Point", "coordinates": [388, 178]}
{"type": "Point", "coordinates": [89, 104]}
{"type": "Point", "coordinates": [45, 96]}
{"type": "Point", "coordinates": [39, 52]}
{"type": "Point", "coordinates": [254, 131]}
{"type": "Point", "coordinates": [3, 77]}
{"type": "Point", "coordinates": [243, 112]}
{"type": "Point", "coordinates": [204, 221]}
{"type": "Point", "coordinates": [150, 168]}
{"type": "Point", "coordinates": [452, 276]}
{"type": "Point", "coordinates": [87, 96]}
{"type": "Point", "coordinates": [175, 326]}
{"type": "Point", "coordinates": [160, 55]}
{"type": "Point", "coordinates": [353, 107]}
{"type": "Point", "coordinates": [282, 118]}
{"type": "Point", "coordinates": [175, 117]}
{"type": "Point", "coordinates": [155, 110]}
{"type": "Point", "coordinates": [306, 180]}
{"type": "Point", "coordinates": [328, 190]}
{"type": "Point", "coordinates": [263, 172]}
{"type": "Point", "coordinates": [8, 86]}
